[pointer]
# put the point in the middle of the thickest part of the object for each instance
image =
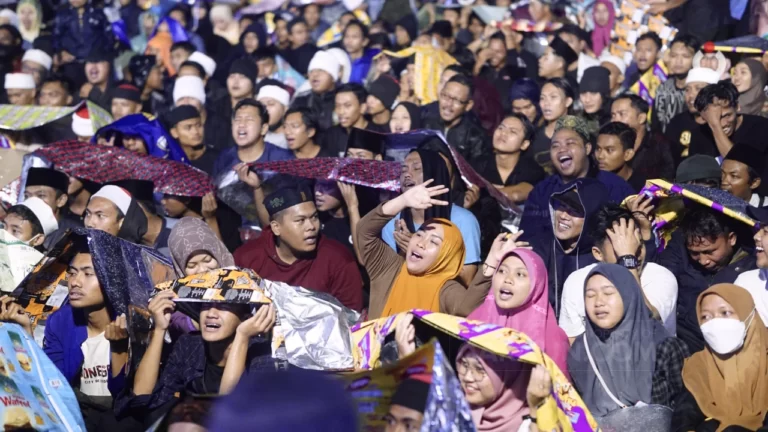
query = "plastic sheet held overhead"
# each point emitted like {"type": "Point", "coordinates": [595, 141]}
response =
{"type": "Point", "coordinates": [34, 393]}
{"type": "Point", "coordinates": [567, 413]}
{"type": "Point", "coordinates": [17, 259]}
{"type": "Point", "coordinates": [127, 273]}
{"type": "Point", "coordinates": [370, 173]}
{"type": "Point", "coordinates": [312, 329]}
{"type": "Point", "coordinates": [106, 164]}
{"type": "Point", "coordinates": [446, 410]}
{"type": "Point", "coordinates": [23, 117]}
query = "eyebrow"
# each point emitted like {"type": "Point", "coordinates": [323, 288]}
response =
{"type": "Point", "coordinates": [84, 268]}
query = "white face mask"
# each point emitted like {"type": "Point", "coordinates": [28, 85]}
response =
{"type": "Point", "coordinates": [725, 335]}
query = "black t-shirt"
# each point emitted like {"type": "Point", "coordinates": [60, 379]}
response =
{"type": "Point", "coordinates": [749, 132]}
{"type": "Point", "coordinates": [539, 149]}
{"type": "Point", "coordinates": [682, 131]}
{"type": "Point", "coordinates": [526, 171]}
{"type": "Point", "coordinates": [337, 229]}
{"type": "Point", "coordinates": [210, 382]}
{"type": "Point", "coordinates": [206, 162]}
{"type": "Point", "coordinates": [637, 181]}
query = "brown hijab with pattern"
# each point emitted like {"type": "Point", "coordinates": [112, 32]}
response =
{"type": "Point", "coordinates": [192, 235]}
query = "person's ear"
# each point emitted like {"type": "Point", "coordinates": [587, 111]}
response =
{"type": "Point", "coordinates": [755, 183]}
{"type": "Point", "coordinates": [732, 239]}
{"type": "Point", "coordinates": [69, 100]}
{"type": "Point", "coordinates": [524, 145]}
{"type": "Point", "coordinates": [568, 102]}
{"type": "Point", "coordinates": [470, 105]}
{"type": "Point", "coordinates": [275, 227]}
{"type": "Point", "coordinates": [588, 148]}
{"type": "Point", "coordinates": [642, 118]}
{"type": "Point", "coordinates": [174, 133]}
{"type": "Point", "coordinates": [311, 132]}
{"type": "Point", "coordinates": [37, 240]}
{"type": "Point", "coordinates": [265, 129]}
{"type": "Point", "coordinates": [62, 200]}
{"type": "Point", "coordinates": [518, 38]}
{"type": "Point", "coordinates": [597, 253]}
{"type": "Point", "coordinates": [363, 108]}
{"type": "Point", "coordinates": [629, 154]}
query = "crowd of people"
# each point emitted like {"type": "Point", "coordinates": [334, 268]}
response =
{"type": "Point", "coordinates": [538, 105]}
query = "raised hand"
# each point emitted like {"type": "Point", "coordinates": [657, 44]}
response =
{"type": "Point", "coordinates": [161, 307]}
{"type": "Point", "coordinates": [349, 194]}
{"type": "Point", "coordinates": [420, 197]}
{"type": "Point", "coordinates": [209, 205]}
{"type": "Point", "coordinates": [502, 245]}
{"type": "Point", "coordinates": [471, 196]}
{"type": "Point", "coordinates": [539, 387]}
{"type": "Point", "coordinates": [405, 336]}
{"type": "Point", "coordinates": [642, 208]}
{"type": "Point", "coordinates": [625, 238]}
{"type": "Point", "coordinates": [261, 322]}
{"type": "Point", "coordinates": [117, 330]}
{"type": "Point", "coordinates": [10, 311]}
{"type": "Point", "coordinates": [247, 176]}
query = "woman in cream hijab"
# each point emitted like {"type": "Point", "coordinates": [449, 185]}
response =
{"type": "Point", "coordinates": [30, 20]}
{"type": "Point", "coordinates": [224, 24]}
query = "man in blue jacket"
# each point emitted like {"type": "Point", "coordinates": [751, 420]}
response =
{"type": "Point", "coordinates": [570, 153]}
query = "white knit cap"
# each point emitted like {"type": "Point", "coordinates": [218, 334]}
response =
{"type": "Point", "coordinates": [38, 56]}
{"type": "Point", "coordinates": [351, 5]}
{"type": "Point", "coordinates": [19, 81]}
{"type": "Point", "coordinates": [616, 61]}
{"type": "Point", "coordinates": [117, 195]}
{"type": "Point", "coordinates": [343, 58]}
{"type": "Point", "coordinates": [43, 213]}
{"type": "Point", "coordinates": [326, 62]}
{"type": "Point", "coordinates": [82, 125]}
{"type": "Point", "coordinates": [277, 93]}
{"type": "Point", "coordinates": [702, 75]}
{"type": "Point", "coordinates": [208, 64]}
{"type": "Point", "coordinates": [189, 86]}
{"type": "Point", "coordinates": [11, 16]}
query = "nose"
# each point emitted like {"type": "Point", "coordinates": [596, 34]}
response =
{"type": "Point", "coordinates": [74, 281]}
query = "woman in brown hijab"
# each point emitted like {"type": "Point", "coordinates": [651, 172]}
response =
{"type": "Point", "coordinates": [727, 383]}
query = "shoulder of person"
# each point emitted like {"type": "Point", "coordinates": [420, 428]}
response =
{"type": "Point", "coordinates": [577, 279]}
{"type": "Point", "coordinates": [461, 216]}
{"type": "Point", "coordinates": [334, 252]}
{"type": "Point", "coordinates": [655, 274]}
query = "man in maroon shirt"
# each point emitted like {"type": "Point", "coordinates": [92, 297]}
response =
{"type": "Point", "coordinates": [291, 250]}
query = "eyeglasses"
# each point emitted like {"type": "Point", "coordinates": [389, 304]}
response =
{"type": "Point", "coordinates": [453, 100]}
{"type": "Point", "coordinates": [477, 372]}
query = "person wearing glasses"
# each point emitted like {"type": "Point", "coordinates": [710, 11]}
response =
{"type": "Point", "coordinates": [463, 134]}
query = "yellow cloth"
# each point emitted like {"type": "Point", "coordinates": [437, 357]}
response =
{"type": "Point", "coordinates": [733, 390]}
{"type": "Point", "coordinates": [429, 63]}
{"type": "Point", "coordinates": [423, 291]}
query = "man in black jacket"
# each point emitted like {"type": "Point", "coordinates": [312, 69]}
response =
{"type": "Point", "coordinates": [323, 74]}
{"type": "Point", "coordinates": [455, 102]}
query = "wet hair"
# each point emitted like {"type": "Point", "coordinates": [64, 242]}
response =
{"type": "Point", "coordinates": [465, 58]}
{"type": "Point", "coordinates": [638, 104]}
{"type": "Point", "coordinates": [294, 22]}
{"type": "Point", "coordinates": [702, 223]}
{"type": "Point", "coordinates": [689, 41]}
{"type": "Point", "coordinates": [724, 91]}
{"type": "Point", "coordinates": [263, 113]}
{"type": "Point", "coordinates": [465, 81]}
{"type": "Point", "coordinates": [528, 128]}
{"type": "Point", "coordinates": [28, 215]}
{"type": "Point", "coordinates": [360, 25]}
{"type": "Point", "coordinates": [65, 82]}
{"type": "Point", "coordinates": [200, 71]}
{"type": "Point", "coordinates": [563, 85]}
{"type": "Point", "coordinates": [262, 53]}
{"type": "Point", "coordinates": [624, 133]}
{"type": "Point", "coordinates": [185, 45]}
{"type": "Point", "coordinates": [603, 219]}
{"type": "Point", "coordinates": [380, 39]}
{"type": "Point", "coordinates": [306, 117]}
{"type": "Point", "coordinates": [652, 37]}
{"type": "Point", "coordinates": [358, 90]}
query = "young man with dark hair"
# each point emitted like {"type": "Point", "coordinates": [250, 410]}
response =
{"type": "Point", "coordinates": [323, 74]}
{"type": "Point", "coordinates": [556, 61]}
{"type": "Point", "coordinates": [188, 67]}
{"type": "Point", "coordinates": [315, 25]}
{"type": "Point", "coordinates": [250, 124]}
{"type": "Point", "coordinates": [115, 211]}
{"type": "Point", "coordinates": [742, 170]}
{"type": "Point", "coordinates": [180, 52]}
{"type": "Point", "coordinates": [647, 49]}
{"type": "Point", "coordinates": [355, 43]}
{"type": "Point", "coordinates": [618, 238]}
{"type": "Point", "coordinates": [186, 126]}
{"type": "Point", "coordinates": [300, 132]}
{"type": "Point", "coordinates": [50, 186]}
{"type": "Point", "coordinates": [350, 109]}
{"type": "Point", "coordinates": [653, 157]}
{"type": "Point", "coordinates": [56, 91]}
{"type": "Point", "coordinates": [708, 250]}
{"type": "Point", "coordinates": [291, 249]}
{"type": "Point", "coordinates": [455, 102]}
{"type": "Point", "coordinates": [31, 221]}
{"type": "Point", "coordinates": [300, 51]}
{"type": "Point", "coordinates": [126, 100]}
{"type": "Point", "coordinates": [98, 72]}
{"type": "Point", "coordinates": [615, 150]}
{"type": "Point", "coordinates": [670, 96]}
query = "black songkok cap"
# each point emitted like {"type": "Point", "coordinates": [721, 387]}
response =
{"type": "Point", "coordinates": [284, 198]}
{"type": "Point", "coordinates": [747, 155]}
{"type": "Point", "coordinates": [562, 49]}
{"type": "Point", "coordinates": [179, 114]}
{"type": "Point", "coordinates": [412, 393]}
{"type": "Point", "coordinates": [366, 140]}
{"type": "Point", "coordinates": [141, 190]}
{"type": "Point", "coordinates": [48, 177]}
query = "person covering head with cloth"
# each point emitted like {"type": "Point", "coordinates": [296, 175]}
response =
{"type": "Point", "coordinates": [625, 358]}
{"type": "Point", "coordinates": [113, 210]}
{"type": "Point", "coordinates": [726, 384]}
{"type": "Point", "coordinates": [518, 299]}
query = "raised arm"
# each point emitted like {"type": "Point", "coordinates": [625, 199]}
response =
{"type": "Point", "coordinates": [161, 307]}
{"type": "Point", "coordinates": [252, 179]}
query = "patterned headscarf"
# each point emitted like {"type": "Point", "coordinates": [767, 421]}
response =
{"type": "Point", "coordinates": [192, 235]}
{"type": "Point", "coordinates": [140, 67]}
{"type": "Point", "coordinates": [577, 124]}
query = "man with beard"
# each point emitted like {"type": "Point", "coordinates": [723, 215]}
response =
{"type": "Point", "coordinates": [687, 125]}
{"type": "Point", "coordinates": [291, 249]}
{"type": "Point", "coordinates": [670, 96]}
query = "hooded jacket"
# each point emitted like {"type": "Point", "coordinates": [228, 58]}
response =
{"type": "Point", "coordinates": [468, 137]}
{"type": "Point", "coordinates": [591, 195]}
{"type": "Point", "coordinates": [321, 106]}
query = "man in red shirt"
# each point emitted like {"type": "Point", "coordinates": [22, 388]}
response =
{"type": "Point", "coordinates": [291, 250]}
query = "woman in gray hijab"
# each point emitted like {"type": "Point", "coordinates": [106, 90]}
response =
{"type": "Point", "coordinates": [625, 359]}
{"type": "Point", "coordinates": [750, 77]}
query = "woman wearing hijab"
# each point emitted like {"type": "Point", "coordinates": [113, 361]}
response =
{"type": "Point", "coordinates": [405, 117]}
{"type": "Point", "coordinates": [625, 358]}
{"type": "Point", "coordinates": [224, 24]}
{"type": "Point", "coordinates": [425, 278]}
{"type": "Point", "coordinates": [518, 300]}
{"type": "Point", "coordinates": [147, 22]}
{"type": "Point", "coordinates": [750, 77]}
{"type": "Point", "coordinates": [603, 16]}
{"type": "Point", "coordinates": [30, 19]}
{"type": "Point", "coordinates": [726, 384]}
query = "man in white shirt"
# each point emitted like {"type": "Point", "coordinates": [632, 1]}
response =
{"type": "Point", "coordinates": [615, 237]}
{"type": "Point", "coordinates": [756, 281]}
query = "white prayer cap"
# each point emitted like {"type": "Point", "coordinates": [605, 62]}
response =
{"type": "Point", "coordinates": [43, 213]}
{"type": "Point", "coordinates": [277, 93]}
{"type": "Point", "coordinates": [20, 81]}
{"type": "Point", "coordinates": [117, 195]}
{"type": "Point", "coordinates": [208, 64]}
{"type": "Point", "coordinates": [701, 74]}
{"type": "Point", "coordinates": [616, 61]}
{"type": "Point", "coordinates": [189, 86]}
{"type": "Point", "coordinates": [38, 56]}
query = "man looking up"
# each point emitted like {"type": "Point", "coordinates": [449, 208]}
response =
{"type": "Point", "coordinates": [126, 100]}
{"type": "Point", "coordinates": [455, 101]}
{"type": "Point", "coordinates": [187, 128]}
{"type": "Point", "coordinates": [291, 249]}
{"type": "Point", "coordinates": [670, 96]}
{"type": "Point", "coordinates": [556, 60]}
{"type": "Point", "coordinates": [653, 157]}
{"type": "Point", "coordinates": [250, 123]}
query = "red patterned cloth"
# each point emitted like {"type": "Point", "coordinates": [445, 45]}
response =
{"type": "Point", "coordinates": [371, 173]}
{"type": "Point", "coordinates": [471, 177]}
{"type": "Point", "coordinates": [104, 164]}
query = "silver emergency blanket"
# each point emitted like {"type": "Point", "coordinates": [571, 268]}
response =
{"type": "Point", "coordinates": [316, 328]}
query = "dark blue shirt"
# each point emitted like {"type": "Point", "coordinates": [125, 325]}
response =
{"type": "Point", "coordinates": [228, 158]}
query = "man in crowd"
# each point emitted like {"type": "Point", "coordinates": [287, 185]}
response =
{"type": "Point", "coordinates": [31, 221]}
{"type": "Point", "coordinates": [187, 128]}
{"type": "Point", "coordinates": [277, 100]}
{"type": "Point", "coordinates": [113, 210]}
{"type": "Point", "coordinates": [36, 63]}
{"type": "Point", "coordinates": [492, 66]}
{"type": "Point", "coordinates": [323, 74]}
{"type": "Point", "coordinates": [98, 68]}
{"type": "Point", "coordinates": [147, 76]}
{"type": "Point", "coordinates": [670, 96]}
{"type": "Point", "coordinates": [126, 100]}
{"type": "Point", "coordinates": [291, 249]}
{"type": "Point", "coordinates": [617, 69]}
{"type": "Point", "coordinates": [56, 91]}
{"type": "Point", "coordinates": [742, 171]}
{"type": "Point", "coordinates": [557, 58]}
{"type": "Point", "coordinates": [646, 54]}
{"type": "Point", "coordinates": [350, 109]}
{"type": "Point", "coordinates": [615, 151]}
{"type": "Point", "coordinates": [685, 126]}
{"type": "Point", "coordinates": [301, 133]}
{"type": "Point", "coordinates": [20, 88]}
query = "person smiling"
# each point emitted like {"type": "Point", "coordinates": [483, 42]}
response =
{"type": "Point", "coordinates": [742, 172]}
